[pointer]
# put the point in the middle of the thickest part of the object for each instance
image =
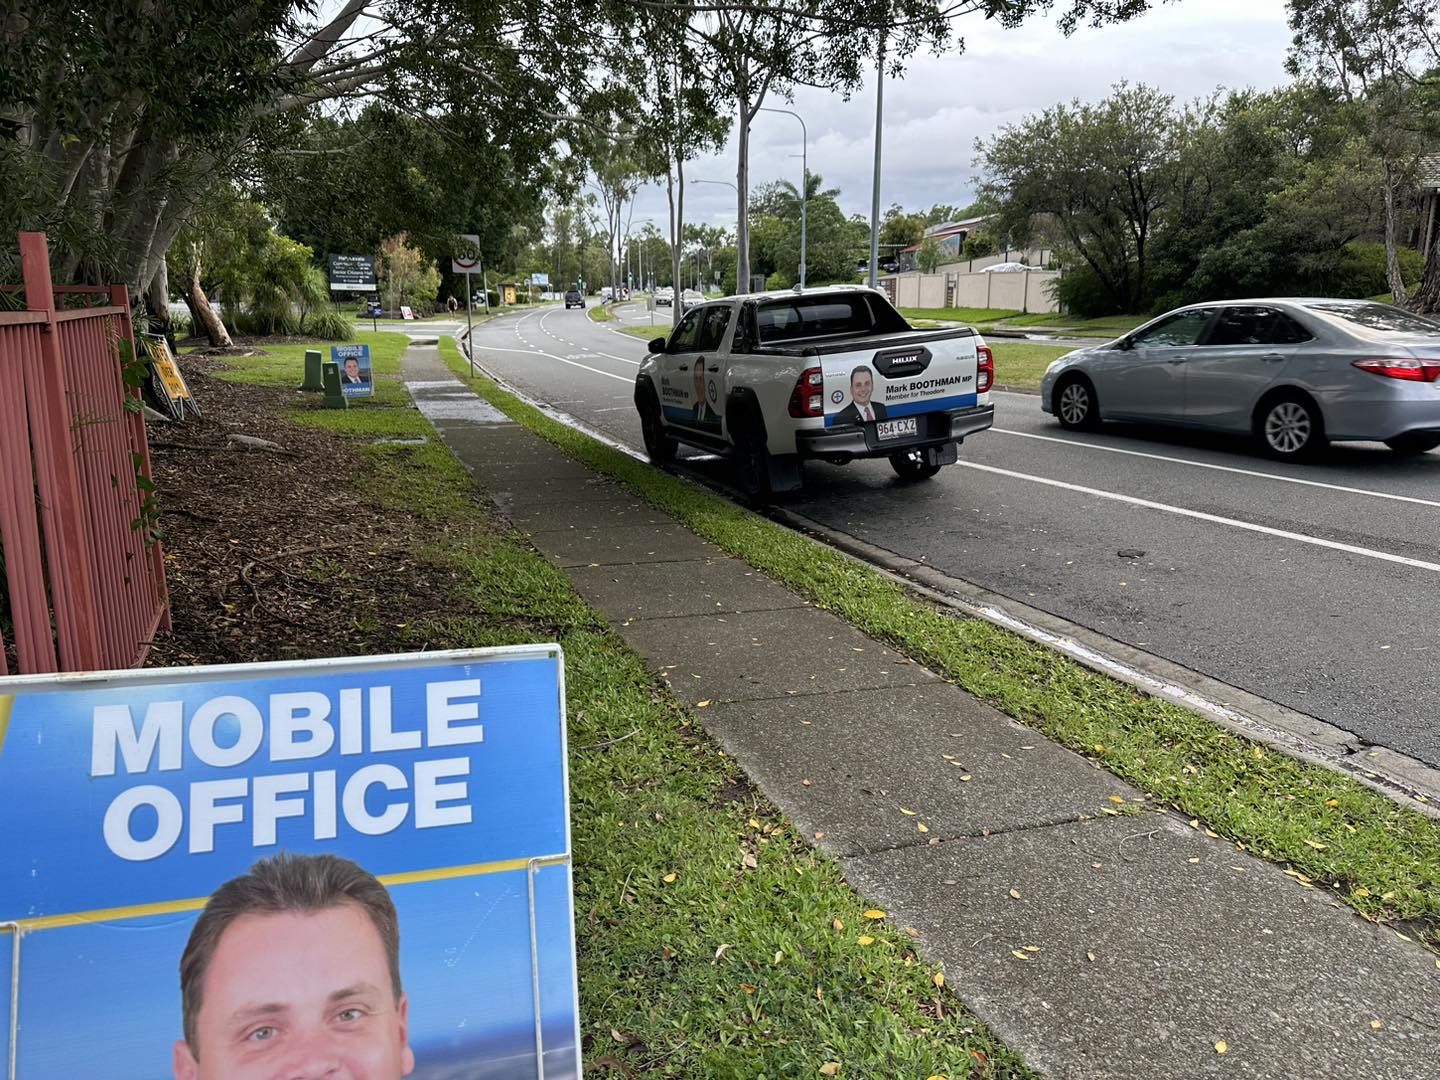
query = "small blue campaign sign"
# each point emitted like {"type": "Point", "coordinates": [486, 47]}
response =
{"type": "Point", "coordinates": [356, 378]}
{"type": "Point", "coordinates": [352, 867]}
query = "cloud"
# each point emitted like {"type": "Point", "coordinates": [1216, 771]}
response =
{"type": "Point", "coordinates": [934, 114]}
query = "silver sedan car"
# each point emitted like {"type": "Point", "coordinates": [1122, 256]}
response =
{"type": "Point", "coordinates": [1294, 373]}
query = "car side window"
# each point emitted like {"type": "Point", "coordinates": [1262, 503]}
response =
{"type": "Point", "coordinates": [1256, 326]}
{"type": "Point", "coordinates": [1181, 329]}
{"type": "Point", "coordinates": [712, 330]}
{"type": "Point", "coordinates": [1286, 331]}
{"type": "Point", "coordinates": [683, 339]}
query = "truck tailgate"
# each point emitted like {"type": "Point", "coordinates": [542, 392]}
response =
{"type": "Point", "coordinates": [908, 379]}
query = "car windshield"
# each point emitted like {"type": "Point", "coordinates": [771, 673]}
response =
{"type": "Point", "coordinates": [1382, 317]}
{"type": "Point", "coordinates": [792, 318]}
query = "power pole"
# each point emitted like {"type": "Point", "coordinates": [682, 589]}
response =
{"type": "Point", "coordinates": [875, 183]}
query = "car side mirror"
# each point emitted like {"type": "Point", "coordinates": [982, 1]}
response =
{"type": "Point", "coordinates": [1125, 344]}
{"type": "Point", "coordinates": [656, 345]}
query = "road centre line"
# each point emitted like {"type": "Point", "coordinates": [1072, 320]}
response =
{"type": "Point", "coordinates": [1214, 519]}
{"type": "Point", "coordinates": [552, 356]}
{"type": "Point", "coordinates": [597, 352]}
{"type": "Point", "coordinates": [1221, 468]}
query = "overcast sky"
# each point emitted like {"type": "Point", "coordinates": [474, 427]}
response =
{"type": "Point", "coordinates": [934, 114]}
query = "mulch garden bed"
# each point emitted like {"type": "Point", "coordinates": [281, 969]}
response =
{"type": "Point", "coordinates": [279, 555]}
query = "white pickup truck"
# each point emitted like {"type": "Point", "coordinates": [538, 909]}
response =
{"type": "Point", "coordinates": [832, 373]}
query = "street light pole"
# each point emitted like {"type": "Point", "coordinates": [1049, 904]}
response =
{"type": "Point", "coordinates": [741, 287]}
{"type": "Point", "coordinates": [804, 179]}
{"type": "Point", "coordinates": [875, 183]}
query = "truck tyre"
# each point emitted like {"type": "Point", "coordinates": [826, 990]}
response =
{"type": "Point", "coordinates": [913, 465]}
{"type": "Point", "coordinates": [659, 446]}
{"type": "Point", "coordinates": [752, 456]}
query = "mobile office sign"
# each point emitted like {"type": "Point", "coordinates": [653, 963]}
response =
{"type": "Point", "coordinates": [127, 798]}
{"type": "Point", "coordinates": [352, 273]}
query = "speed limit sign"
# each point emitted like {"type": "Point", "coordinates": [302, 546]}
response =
{"type": "Point", "coordinates": [467, 254]}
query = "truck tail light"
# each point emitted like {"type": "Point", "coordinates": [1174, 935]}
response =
{"type": "Point", "coordinates": [984, 369]}
{"type": "Point", "coordinates": [1411, 370]}
{"type": "Point", "coordinates": [808, 397]}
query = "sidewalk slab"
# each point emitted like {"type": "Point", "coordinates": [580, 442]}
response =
{"type": "Point", "coordinates": [616, 543]}
{"type": "Point", "coordinates": [851, 764]}
{"type": "Point", "coordinates": [765, 654]}
{"type": "Point", "coordinates": [623, 509]}
{"type": "Point", "coordinates": [1186, 955]}
{"type": "Point", "coordinates": [692, 587]}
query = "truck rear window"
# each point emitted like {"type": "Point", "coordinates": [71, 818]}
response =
{"type": "Point", "coordinates": [790, 319]}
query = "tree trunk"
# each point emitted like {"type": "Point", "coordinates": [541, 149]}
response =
{"type": "Point", "coordinates": [203, 314]}
{"type": "Point", "coordinates": [1392, 259]}
{"type": "Point", "coordinates": [1426, 299]}
{"type": "Point", "coordinates": [157, 303]}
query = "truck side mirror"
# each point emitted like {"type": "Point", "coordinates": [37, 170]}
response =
{"type": "Point", "coordinates": [657, 345]}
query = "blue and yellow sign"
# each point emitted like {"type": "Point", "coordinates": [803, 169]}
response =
{"type": "Point", "coordinates": [356, 377]}
{"type": "Point", "coordinates": [362, 862]}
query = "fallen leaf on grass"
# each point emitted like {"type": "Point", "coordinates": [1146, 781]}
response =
{"type": "Point", "coordinates": [669, 878]}
{"type": "Point", "coordinates": [702, 704]}
{"type": "Point", "coordinates": [837, 924]}
{"type": "Point", "coordinates": [938, 978]}
{"type": "Point", "coordinates": [721, 951]}
{"type": "Point", "coordinates": [830, 1068]}
{"type": "Point", "coordinates": [754, 824]}
{"type": "Point", "coordinates": [1315, 844]}
{"type": "Point", "coordinates": [874, 913]}
{"type": "Point", "coordinates": [749, 860]}
{"type": "Point", "coordinates": [864, 939]}
{"type": "Point", "coordinates": [747, 988]}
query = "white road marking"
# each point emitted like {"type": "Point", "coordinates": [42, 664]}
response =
{"type": "Point", "coordinates": [1221, 468]}
{"type": "Point", "coordinates": [552, 356]}
{"type": "Point", "coordinates": [597, 352]}
{"type": "Point", "coordinates": [1214, 519]}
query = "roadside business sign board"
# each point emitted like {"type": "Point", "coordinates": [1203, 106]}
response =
{"type": "Point", "coordinates": [538, 278]}
{"type": "Point", "coordinates": [352, 273]}
{"type": "Point", "coordinates": [467, 258]}
{"type": "Point", "coordinates": [357, 378]}
{"type": "Point", "coordinates": [436, 781]}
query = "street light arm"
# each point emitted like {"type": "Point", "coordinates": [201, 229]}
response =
{"type": "Point", "coordinates": [804, 179]}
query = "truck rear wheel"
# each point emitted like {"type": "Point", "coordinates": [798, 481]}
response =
{"type": "Point", "coordinates": [913, 465]}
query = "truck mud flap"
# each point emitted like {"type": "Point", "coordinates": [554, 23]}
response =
{"type": "Point", "coordinates": [785, 472]}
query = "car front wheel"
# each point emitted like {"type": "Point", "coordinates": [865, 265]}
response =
{"type": "Point", "coordinates": [1410, 445]}
{"type": "Point", "coordinates": [1075, 404]}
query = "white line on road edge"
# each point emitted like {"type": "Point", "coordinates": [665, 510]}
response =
{"type": "Point", "coordinates": [597, 352]}
{"type": "Point", "coordinates": [540, 352]}
{"type": "Point", "coordinates": [1219, 468]}
{"type": "Point", "coordinates": [1214, 519]}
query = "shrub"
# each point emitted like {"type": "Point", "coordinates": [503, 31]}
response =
{"type": "Point", "coordinates": [1081, 293]}
{"type": "Point", "coordinates": [1360, 270]}
{"type": "Point", "coordinates": [978, 246]}
{"type": "Point", "coordinates": [330, 323]}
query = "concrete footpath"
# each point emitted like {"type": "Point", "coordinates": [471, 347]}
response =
{"type": "Point", "coordinates": [1096, 946]}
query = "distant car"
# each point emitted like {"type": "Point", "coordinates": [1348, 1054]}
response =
{"type": "Point", "coordinates": [665, 297]}
{"type": "Point", "coordinates": [692, 296]}
{"type": "Point", "coordinates": [1293, 373]}
{"type": "Point", "coordinates": [573, 298]}
{"type": "Point", "coordinates": [1007, 268]}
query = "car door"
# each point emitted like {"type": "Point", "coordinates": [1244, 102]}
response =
{"type": "Point", "coordinates": [707, 369]}
{"type": "Point", "coordinates": [1143, 376]}
{"type": "Point", "coordinates": [1248, 348]}
{"type": "Point", "coordinates": [677, 385]}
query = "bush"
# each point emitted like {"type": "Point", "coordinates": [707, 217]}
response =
{"type": "Point", "coordinates": [180, 324]}
{"type": "Point", "coordinates": [263, 320]}
{"type": "Point", "coordinates": [1082, 294]}
{"type": "Point", "coordinates": [1360, 270]}
{"type": "Point", "coordinates": [330, 323]}
{"type": "Point", "coordinates": [978, 246]}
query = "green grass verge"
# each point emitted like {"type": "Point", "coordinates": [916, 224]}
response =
{"type": "Point", "coordinates": [1380, 858]}
{"type": "Point", "coordinates": [692, 961]}
{"type": "Point", "coordinates": [968, 315]}
{"type": "Point", "coordinates": [647, 333]}
{"type": "Point", "coordinates": [600, 313]}
{"type": "Point", "coordinates": [1021, 364]}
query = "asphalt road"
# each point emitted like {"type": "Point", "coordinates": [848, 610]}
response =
{"type": "Point", "coordinates": [1317, 587]}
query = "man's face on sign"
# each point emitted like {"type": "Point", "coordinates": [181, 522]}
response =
{"type": "Point", "coordinates": [861, 387]}
{"type": "Point", "coordinates": [295, 996]}
{"type": "Point", "coordinates": [352, 367]}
